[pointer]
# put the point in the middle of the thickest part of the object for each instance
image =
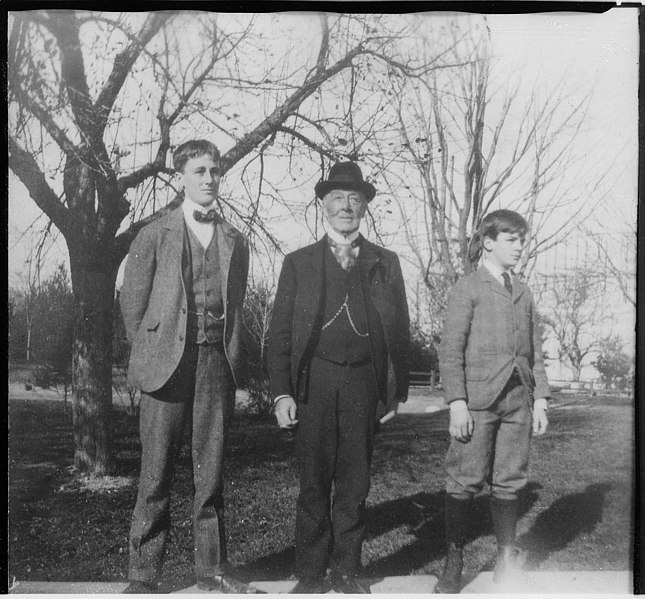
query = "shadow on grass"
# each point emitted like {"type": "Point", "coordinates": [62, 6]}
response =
{"type": "Point", "coordinates": [423, 513]}
{"type": "Point", "coordinates": [564, 520]}
{"type": "Point", "coordinates": [276, 566]}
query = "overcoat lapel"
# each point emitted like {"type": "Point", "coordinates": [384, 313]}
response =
{"type": "Point", "coordinates": [369, 259]}
{"type": "Point", "coordinates": [313, 277]}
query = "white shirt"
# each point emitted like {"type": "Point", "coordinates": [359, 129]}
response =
{"type": "Point", "coordinates": [342, 240]}
{"type": "Point", "coordinates": [497, 270]}
{"type": "Point", "coordinates": [203, 231]}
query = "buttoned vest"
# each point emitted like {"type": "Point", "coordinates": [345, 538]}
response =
{"type": "Point", "coordinates": [344, 336]}
{"type": "Point", "coordinates": [202, 279]}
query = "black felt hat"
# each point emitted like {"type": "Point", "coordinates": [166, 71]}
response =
{"type": "Point", "coordinates": [345, 175]}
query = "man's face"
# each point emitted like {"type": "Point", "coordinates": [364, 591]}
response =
{"type": "Point", "coordinates": [344, 210]}
{"type": "Point", "coordinates": [506, 250]}
{"type": "Point", "coordinates": [201, 177]}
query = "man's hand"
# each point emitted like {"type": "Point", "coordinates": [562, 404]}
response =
{"type": "Point", "coordinates": [540, 421]}
{"type": "Point", "coordinates": [461, 422]}
{"type": "Point", "coordinates": [391, 414]}
{"type": "Point", "coordinates": [285, 412]}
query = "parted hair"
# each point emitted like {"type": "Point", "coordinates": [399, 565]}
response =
{"type": "Point", "coordinates": [502, 221]}
{"type": "Point", "coordinates": [494, 223]}
{"type": "Point", "coordinates": [193, 149]}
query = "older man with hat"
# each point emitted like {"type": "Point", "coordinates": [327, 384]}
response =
{"type": "Point", "coordinates": [338, 364]}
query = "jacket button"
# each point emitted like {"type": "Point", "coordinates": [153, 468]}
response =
{"type": "Point", "coordinates": [183, 310]}
{"type": "Point", "coordinates": [181, 337]}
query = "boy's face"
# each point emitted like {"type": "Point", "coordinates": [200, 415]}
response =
{"type": "Point", "coordinates": [506, 250]}
{"type": "Point", "coordinates": [201, 177]}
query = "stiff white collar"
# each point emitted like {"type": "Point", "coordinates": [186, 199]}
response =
{"type": "Point", "coordinates": [189, 207]}
{"type": "Point", "coordinates": [496, 270]}
{"type": "Point", "coordinates": [341, 239]}
{"type": "Point", "coordinates": [203, 231]}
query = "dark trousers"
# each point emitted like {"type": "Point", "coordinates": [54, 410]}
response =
{"type": "Point", "coordinates": [498, 449]}
{"type": "Point", "coordinates": [200, 393]}
{"type": "Point", "coordinates": [334, 446]}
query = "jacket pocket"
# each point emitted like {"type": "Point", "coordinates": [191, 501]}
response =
{"type": "Point", "coordinates": [153, 328]}
{"type": "Point", "coordinates": [476, 374]}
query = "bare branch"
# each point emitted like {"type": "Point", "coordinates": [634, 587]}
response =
{"type": "Point", "coordinates": [123, 63]}
{"type": "Point", "coordinates": [23, 164]}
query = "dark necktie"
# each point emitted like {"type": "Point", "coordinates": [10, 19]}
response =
{"type": "Point", "coordinates": [345, 253]}
{"type": "Point", "coordinates": [205, 217]}
{"type": "Point", "coordinates": [507, 282]}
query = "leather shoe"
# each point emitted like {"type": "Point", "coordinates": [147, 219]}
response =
{"type": "Point", "coordinates": [450, 580]}
{"type": "Point", "coordinates": [140, 587]}
{"type": "Point", "coordinates": [308, 586]}
{"type": "Point", "coordinates": [348, 584]}
{"type": "Point", "coordinates": [226, 584]}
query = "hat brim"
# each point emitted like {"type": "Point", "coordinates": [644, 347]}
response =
{"type": "Point", "coordinates": [324, 187]}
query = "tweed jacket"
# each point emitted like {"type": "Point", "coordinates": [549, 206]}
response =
{"type": "Point", "coordinates": [297, 320]}
{"type": "Point", "coordinates": [154, 304]}
{"type": "Point", "coordinates": [486, 334]}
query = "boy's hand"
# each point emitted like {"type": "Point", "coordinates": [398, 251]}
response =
{"type": "Point", "coordinates": [461, 422]}
{"type": "Point", "coordinates": [540, 421]}
{"type": "Point", "coordinates": [285, 412]}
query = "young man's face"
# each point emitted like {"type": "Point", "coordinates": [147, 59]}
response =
{"type": "Point", "coordinates": [506, 250]}
{"type": "Point", "coordinates": [201, 177]}
{"type": "Point", "coordinates": [344, 210]}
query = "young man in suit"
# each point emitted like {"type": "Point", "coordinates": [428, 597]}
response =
{"type": "Point", "coordinates": [496, 386]}
{"type": "Point", "coordinates": [338, 361]}
{"type": "Point", "coordinates": [185, 280]}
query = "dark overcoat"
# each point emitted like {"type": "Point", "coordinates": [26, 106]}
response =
{"type": "Point", "coordinates": [298, 312]}
{"type": "Point", "coordinates": [154, 304]}
{"type": "Point", "coordinates": [487, 332]}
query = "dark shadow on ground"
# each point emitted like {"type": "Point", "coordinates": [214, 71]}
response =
{"type": "Point", "coordinates": [424, 514]}
{"type": "Point", "coordinates": [563, 521]}
{"type": "Point", "coordinates": [276, 566]}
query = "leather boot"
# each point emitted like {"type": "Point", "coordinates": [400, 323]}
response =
{"type": "Point", "coordinates": [450, 580]}
{"type": "Point", "coordinates": [458, 516]}
{"type": "Point", "coordinates": [505, 515]}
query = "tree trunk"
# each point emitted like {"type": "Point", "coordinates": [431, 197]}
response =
{"type": "Point", "coordinates": [92, 365]}
{"type": "Point", "coordinates": [28, 341]}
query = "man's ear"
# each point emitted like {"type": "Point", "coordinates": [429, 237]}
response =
{"type": "Point", "coordinates": [487, 243]}
{"type": "Point", "coordinates": [178, 176]}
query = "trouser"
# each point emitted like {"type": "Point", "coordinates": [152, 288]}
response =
{"type": "Point", "coordinates": [201, 393]}
{"type": "Point", "coordinates": [498, 449]}
{"type": "Point", "coordinates": [334, 446]}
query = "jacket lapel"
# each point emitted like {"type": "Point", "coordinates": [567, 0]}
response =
{"type": "Point", "coordinates": [487, 277]}
{"type": "Point", "coordinates": [175, 226]}
{"type": "Point", "coordinates": [518, 288]}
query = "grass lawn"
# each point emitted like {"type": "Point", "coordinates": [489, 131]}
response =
{"type": "Point", "coordinates": [576, 510]}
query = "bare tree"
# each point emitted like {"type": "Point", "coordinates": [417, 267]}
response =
{"type": "Point", "coordinates": [575, 313]}
{"type": "Point", "coordinates": [466, 141]}
{"type": "Point", "coordinates": [615, 239]}
{"type": "Point", "coordinates": [95, 100]}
